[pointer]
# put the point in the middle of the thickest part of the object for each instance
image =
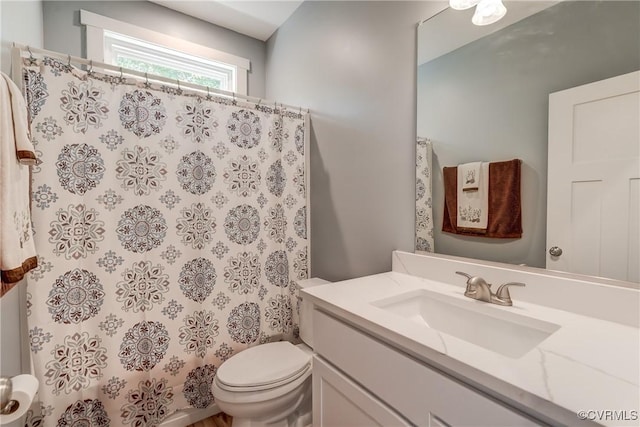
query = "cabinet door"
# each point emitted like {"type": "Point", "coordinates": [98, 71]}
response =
{"type": "Point", "coordinates": [412, 389]}
{"type": "Point", "coordinates": [338, 401]}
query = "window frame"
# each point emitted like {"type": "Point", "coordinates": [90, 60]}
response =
{"type": "Point", "coordinates": [97, 25]}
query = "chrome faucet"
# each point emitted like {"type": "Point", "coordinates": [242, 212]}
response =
{"type": "Point", "coordinates": [478, 288]}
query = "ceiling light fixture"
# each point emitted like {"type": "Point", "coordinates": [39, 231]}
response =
{"type": "Point", "coordinates": [487, 11]}
{"type": "Point", "coordinates": [462, 4]}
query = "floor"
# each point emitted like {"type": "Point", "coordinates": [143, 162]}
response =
{"type": "Point", "coordinates": [219, 420]}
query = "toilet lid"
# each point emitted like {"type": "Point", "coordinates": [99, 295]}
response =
{"type": "Point", "coordinates": [263, 366]}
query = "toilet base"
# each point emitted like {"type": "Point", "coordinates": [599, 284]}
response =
{"type": "Point", "coordinates": [301, 417]}
{"type": "Point", "coordinates": [294, 412]}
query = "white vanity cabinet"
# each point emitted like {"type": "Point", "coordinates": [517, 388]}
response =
{"type": "Point", "coordinates": [361, 381]}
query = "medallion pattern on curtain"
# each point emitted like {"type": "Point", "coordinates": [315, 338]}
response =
{"type": "Point", "coordinates": [171, 229]}
{"type": "Point", "coordinates": [424, 210]}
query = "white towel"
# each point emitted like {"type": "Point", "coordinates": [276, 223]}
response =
{"type": "Point", "coordinates": [17, 248]}
{"type": "Point", "coordinates": [470, 173]}
{"type": "Point", "coordinates": [473, 206]}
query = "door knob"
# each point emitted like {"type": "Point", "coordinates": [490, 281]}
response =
{"type": "Point", "coordinates": [555, 251]}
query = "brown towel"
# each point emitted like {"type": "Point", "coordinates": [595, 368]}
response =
{"type": "Point", "coordinates": [505, 215]}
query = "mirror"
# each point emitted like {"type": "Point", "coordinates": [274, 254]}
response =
{"type": "Point", "coordinates": [483, 95]}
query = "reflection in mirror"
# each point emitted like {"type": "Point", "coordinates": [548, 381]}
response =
{"type": "Point", "coordinates": [488, 99]}
{"type": "Point", "coordinates": [424, 208]}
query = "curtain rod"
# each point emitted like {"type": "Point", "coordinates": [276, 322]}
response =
{"type": "Point", "coordinates": [25, 49]}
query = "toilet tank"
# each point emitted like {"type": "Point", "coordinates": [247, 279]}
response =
{"type": "Point", "coordinates": [306, 310]}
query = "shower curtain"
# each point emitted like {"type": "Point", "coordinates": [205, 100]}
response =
{"type": "Point", "coordinates": [424, 209]}
{"type": "Point", "coordinates": [171, 229]}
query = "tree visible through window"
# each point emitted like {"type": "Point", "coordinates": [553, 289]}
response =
{"type": "Point", "coordinates": [164, 71]}
{"type": "Point", "coordinates": [134, 54]}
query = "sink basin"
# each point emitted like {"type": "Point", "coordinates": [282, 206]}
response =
{"type": "Point", "coordinates": [501, 331]}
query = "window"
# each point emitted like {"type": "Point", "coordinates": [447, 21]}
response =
{"type": "Point", "coordinates": [136, 48]}
{"type": "Point", "coordinates": [128, 52]}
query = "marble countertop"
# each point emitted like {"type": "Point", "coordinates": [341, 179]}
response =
{"type": "Point", "coordinates": [588, 364]}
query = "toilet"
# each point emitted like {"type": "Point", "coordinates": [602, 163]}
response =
{"type": "Point", "coordinates": [270, 384]}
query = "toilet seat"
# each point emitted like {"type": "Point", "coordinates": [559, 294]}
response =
{"type": "Point", "coordinates": [263, 367]}
{"type": "Point", "coordinates": [285, 392]}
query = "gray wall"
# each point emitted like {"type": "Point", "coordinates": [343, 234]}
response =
{"type": "Point", "coordinates": [21, 22]}
{"type": "Point", "coordinates": [63, 32]}
{"type": "Point", "coordinates": [354, 65]}
{"type": "Point", "coordinates": [489, 101]}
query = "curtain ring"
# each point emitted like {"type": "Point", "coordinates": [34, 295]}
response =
{"type": "Point", "coordinates": [32, 59]}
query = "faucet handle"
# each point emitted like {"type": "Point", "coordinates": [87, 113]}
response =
{"type": "Point", "coordinates": [462, 273]}
{"type": "Point", "coordinates": [474, 281]}
{"type": "Point", "coordinates": [477, 287]}
{"type": "Point", "coordinates": [503, 292]}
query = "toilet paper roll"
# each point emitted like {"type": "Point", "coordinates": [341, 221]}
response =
{"type": "Point", "coordinates": [25, 388]}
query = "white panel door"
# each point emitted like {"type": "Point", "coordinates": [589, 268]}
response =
{"type": "Point", "coordinates": [593, 190]}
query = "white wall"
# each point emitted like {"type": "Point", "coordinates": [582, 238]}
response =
{"type": "Point", "coordinates": [354, 65]}
{"type": "Point", "coordinates": [21, 22]}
